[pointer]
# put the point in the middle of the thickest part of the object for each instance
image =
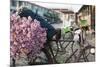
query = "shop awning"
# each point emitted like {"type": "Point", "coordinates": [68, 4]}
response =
{"type": "Point", "coordinates": [73, 5]}
{"type": "Point", "coordinates": [54, 5]}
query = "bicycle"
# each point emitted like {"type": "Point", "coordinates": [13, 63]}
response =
{"type": "Point", "coordinates": [85, 50]}
{"type": "Point", "coordinates": [79, 54]}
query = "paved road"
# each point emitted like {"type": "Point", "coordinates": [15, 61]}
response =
{"type": "Point", "coordinates": [63, 55]}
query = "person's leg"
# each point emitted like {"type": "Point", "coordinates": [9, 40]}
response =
{"type": "Point", "coordinates": [47, 53]}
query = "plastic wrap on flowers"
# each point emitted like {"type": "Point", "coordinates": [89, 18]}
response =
{"type": "Point", "coordinates": [26, 36]}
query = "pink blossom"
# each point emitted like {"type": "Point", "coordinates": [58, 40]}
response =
{"type": "Point", "coordinates": [27, 36]}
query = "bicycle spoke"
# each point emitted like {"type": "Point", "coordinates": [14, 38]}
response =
{"type": "Point", "coordinates": [71, 56]}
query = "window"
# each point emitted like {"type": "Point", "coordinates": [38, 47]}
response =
{"type": "Point", "coordinates": [13, 3]}
{"type": "Point", "coordinates": [20, 3]}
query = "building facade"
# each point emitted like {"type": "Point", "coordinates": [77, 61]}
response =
{"type": "Point", "coordinates": [87, 12]}
{"type": "Point", "coordinates": [42, 11]}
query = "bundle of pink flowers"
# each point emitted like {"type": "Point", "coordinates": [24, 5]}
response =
{"type": "Point", "coordinates": [27, 37]}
